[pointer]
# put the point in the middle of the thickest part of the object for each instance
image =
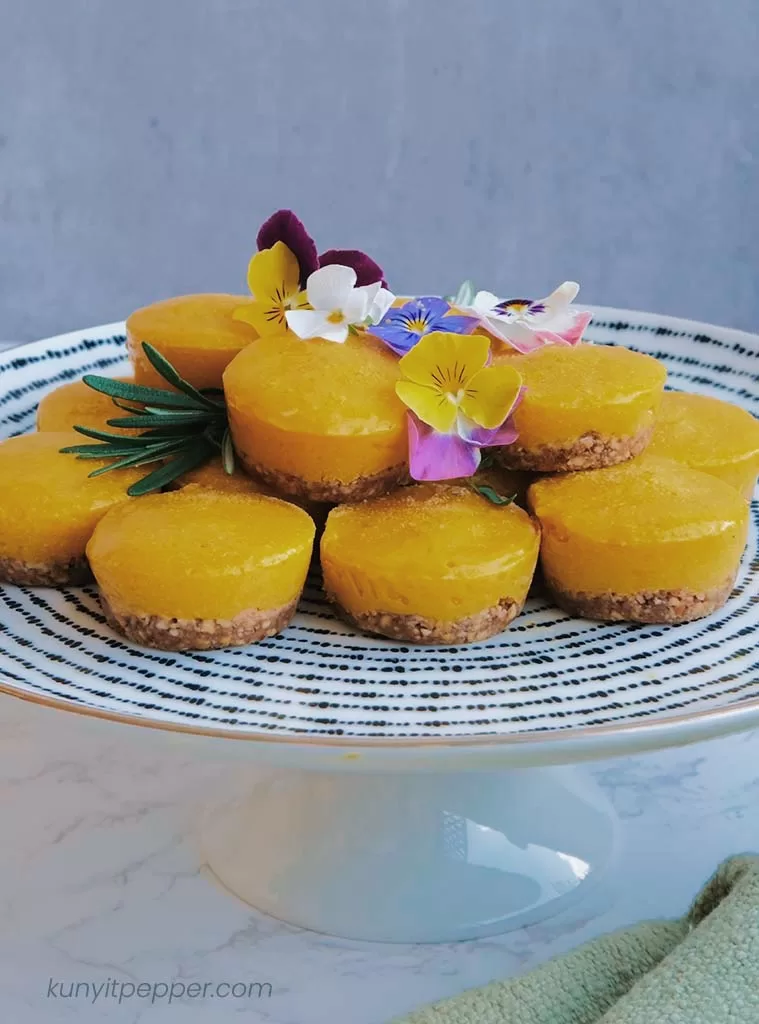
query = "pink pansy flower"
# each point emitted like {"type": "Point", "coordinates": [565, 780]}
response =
{"type": "Point", "coordinates": [529, 324]}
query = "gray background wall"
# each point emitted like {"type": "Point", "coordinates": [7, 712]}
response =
{"type": "Point", "coordinates": [517, 143]}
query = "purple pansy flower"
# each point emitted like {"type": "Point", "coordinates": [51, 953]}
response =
{"type": "Point", "coordinates": [367, 271]}
{"type": "Point", "coordinates": [402, 328]}
{"type": "Point", "coordinates": [284, 226]}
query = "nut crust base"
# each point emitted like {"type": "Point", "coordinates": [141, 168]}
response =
{"type": "Point", "coordinates": [667, 607]}
{"type": "Point", "coordinates": [417, 629]}
{"type": "Point", "coordinates": [74, 572]}
{"type": "Point", "coordinates": [591, 451]}
{"type": "Point", "coordinates": [332, 491]}
{"type": "Point", "coordinates": [198, 634]}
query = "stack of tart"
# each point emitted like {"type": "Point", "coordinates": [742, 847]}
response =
{"type": "Point", "coordinates": [363, 421]}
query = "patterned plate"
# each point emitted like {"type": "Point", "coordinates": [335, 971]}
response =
{"type": "Point", "coordinates": [575, 686]}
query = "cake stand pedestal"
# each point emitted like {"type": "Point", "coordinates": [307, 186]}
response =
{"type": "Point", "coordinates": [412, 857]}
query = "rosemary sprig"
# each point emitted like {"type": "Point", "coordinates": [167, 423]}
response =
{"type": "Point", "coordinates": [180, 429]}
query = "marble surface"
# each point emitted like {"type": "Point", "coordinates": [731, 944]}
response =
{"type": "Point", "coordinates": [100, 879]}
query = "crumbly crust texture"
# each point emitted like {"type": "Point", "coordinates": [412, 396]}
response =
{"type": "Point", "coordinates": [591, 451]}
{"type": "Point", "coordinates": [667, 607]}
{"type": "Point", "coordinates": [198, 634]}
{"type": "Point", "coordinates": [333, 492]}
{"type": "Point", "coordinates": [73, 572]}
{"type": "Point", "coordinates": [417, 629]}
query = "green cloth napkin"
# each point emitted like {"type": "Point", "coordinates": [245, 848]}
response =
{"type": "Point", "coordinates": [702, 969]}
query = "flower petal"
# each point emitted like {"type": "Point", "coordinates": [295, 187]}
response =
{"type": "Point", "coordinates": [484, 303]}
{"type": "Point", "coordinates": [265, 319]}
{"type": "Point", "coordinates": [356, 306]}
{"type": "Point", "coordinates": [458, 324]}
{"type": "Point", "coordinates": [480, 437]}
{"type": "Point", "coordinates": [395, 335]}
{"type": "Point", "coordinates": [561, 297]}
{"type": "Point", "coordinates": [432, 407]}
{"type": "Point", "coordinates": [381, 303]}
{"type": "Point", "coordinates": [432, 305]}
{"type": "Point", "coordinates": [446, 358]}
{"type": "Point", "coordinates": [307, 323]}
{"type": "Point", "coordinates": [491, 394]}
{"type": "Point", "coordinates": [367, 271]}
{"type": "Point", "coordinates": [273, 274]}
{"type": "Point", "coordinates": [581, 318]}
{"type": "Point", "coordinates": [329, 287]}
{"type": "Point", "coordinates": [434, 456]}
{"type": "Point", "coordinates": [518, 336]}
{"type": "Point", "coordinates": [284, 226]}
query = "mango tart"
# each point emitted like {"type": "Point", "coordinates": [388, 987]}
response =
{"type": "Point", "coordinates": [318, 420]}
{"type": "Point", "coordinates": [49, 507]}
{"type": "Point", "coordinates": [197, 334]}
{"type": "Point", "coordinates": [214, 477]}
{"type": "Point", "coordinates": [198, 569]}
{"type": "Point", "coordinates": [75, 404]}
{"type": "Point", "coordinates": [585, 407]}
{"type": "Point", "coordinates": [647, 541]}
{"type": "Point", "coordinates": [707, 434]}
{"type": "Point", "coordinates": [429, 564]}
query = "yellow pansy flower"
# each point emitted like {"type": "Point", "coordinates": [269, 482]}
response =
{"type": "Point", "coordinates": [274, 282]}
{"type": "Point", "coordinates": [447, 382]}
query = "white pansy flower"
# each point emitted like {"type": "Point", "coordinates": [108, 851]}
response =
{"type": "Point", "coordinates": [338, 305]}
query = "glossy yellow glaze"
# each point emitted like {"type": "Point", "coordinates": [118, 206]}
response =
{"type": "Point", "coordinates": [433, 550]}
{"type": "Point", "coordinates": [76, 405]}
{"type": "Point", "coordinates": [48, 505]}
{"type": "Point", "coordinates": [585, 388]}
{"type": "Point", "coordinates": [707, 434]}
{"type": "Point", "coordinates": [317, 410]}
{"type": "Point", "coordinates": [198, 553]}
{"type": "Point", "coordinates": [196, 333]}
{"type": "Point", "coordinates": [648, 524]}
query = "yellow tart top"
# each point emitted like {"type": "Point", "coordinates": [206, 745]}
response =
{"type": "Point", "coordinates": [648, 499]}
{"type": "Point", "coordinates": [192, 321]}
{"type": "Point", "coordinates": [76, 405]}
{"type": "Point", "coordinates": [316, 386]}
{"type": "Point", "coordinates": [49, 505]}
{"type": "Point", "coordinates": [586, 376]}
{"type": "Point", "coordinates": [198, 553]}
{"type": "Point", "coordinates": [703, 431]}
{"type": "Point", "coordinates": [435, 530]}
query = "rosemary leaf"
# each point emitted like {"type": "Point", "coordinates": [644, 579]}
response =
{"type": "Point", "coordinates": [103, 435]}
{"type": "Point", "coordinates": [228, 453]}
{"type": "Point", "coordinates": [492, 496]}
{"type": "Point", "coordinates": [189, 459]}
{"type": "Point", "coordinates": [109, 451]}
{"type": "Point", "coordinates": [185, 420]}
{"type": "Point", "coordinates": [139, 393]}
{"type": "Point", "coordinates": [169, 374]}
{"type": "Point", "coordinates": [142, 458]}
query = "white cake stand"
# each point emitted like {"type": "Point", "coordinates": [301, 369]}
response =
{"type": "Point", "coordinates": [396, 793]}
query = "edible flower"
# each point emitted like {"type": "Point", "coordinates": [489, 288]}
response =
{"type": "Point", "coordinates": [277, 281]}
{"type": "Point", "coordinates": [402, 328]}
{"type": "Point", "coordinates": [458, 404]}
{"type": "Point", "coordinates": [284, 226]}
{"type": "Point", "coordinates": [274, 282]}
{"type": "Point", "coordinates": [529, 324]}
{"type": "Point", "coordinates": [338, 306]}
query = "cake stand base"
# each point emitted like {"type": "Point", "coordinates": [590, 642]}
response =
{"type": "Point", "coordinates": [412, 858]}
